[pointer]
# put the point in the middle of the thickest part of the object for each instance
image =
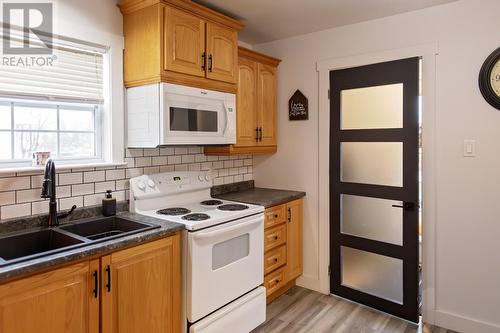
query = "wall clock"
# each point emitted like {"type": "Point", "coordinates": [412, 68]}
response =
{"type": "Point", "coordinates": [489, 79]}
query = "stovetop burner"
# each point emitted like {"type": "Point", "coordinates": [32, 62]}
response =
{"type": "Point", "coordinates": [173, 211]}
{"type": "Point", "coordinates": [212, 202]}
{"type": "Point", "coordinates": [232, 207]}
{"type": "Point", "coordinates": [196, 217]}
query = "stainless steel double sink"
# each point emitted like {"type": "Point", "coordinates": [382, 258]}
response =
{"type": "Point", "coordinates": [26, 245]}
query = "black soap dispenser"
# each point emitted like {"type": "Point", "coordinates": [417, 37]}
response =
{"type": "Point", "coordinates": [108, 204]}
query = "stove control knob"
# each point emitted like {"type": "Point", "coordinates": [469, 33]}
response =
{"type": "Point", "coordinates": [141, 185]}
{"type": "Point", "coordinates": [151, 183]}
{"type": "Point", "coordinates": [201, 177]}
{"type": "Point", "coordinates": [207, 177]}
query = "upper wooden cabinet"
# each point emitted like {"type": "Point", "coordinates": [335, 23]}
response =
{"type": "Point", "coordinates": [181, 42]}
{"type": "Point", "coordinates": [256, 106]}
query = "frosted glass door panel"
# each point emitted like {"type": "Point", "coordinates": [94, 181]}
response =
{"type": "Point", "coordinates": [372, 107]}
{"type": "Point", "coordinates": [372, 218]}
{"type": "Point", "coordinates": [379, 163]}
{"type": "Point", "coordinates": [372, 273]}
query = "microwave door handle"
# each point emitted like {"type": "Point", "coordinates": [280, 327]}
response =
{"type": "Point", "coordinates": [212, 234]}
{"type": "Point", "coordinates": [227, 118]}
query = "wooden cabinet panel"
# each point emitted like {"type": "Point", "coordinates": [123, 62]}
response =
{"type": "Point", "coordinates": [274, 237]}
{"type": "Point", "coordinates": [222, 53]}
{"type": "Point", "coordinates": [274, 216]}
{"type": "Point", "coordinates": [246, 115]}
{"type": "Point", "coordinates": [145, 285]}
{"type": "Point", "coordinates": [294, 239]}
{"type": "Point", "coordinates": [266, 100]}
{"type": "Point", "coordinates": [274, 281]}
{"type": "Point", "coordinates": [184, 45]}
{"type": "Point", "coordinates": [59, 301]}
{"type": "Point", "coordinates": [274, 259]}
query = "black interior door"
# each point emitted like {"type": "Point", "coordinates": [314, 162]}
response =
{"type": "Point", "coordinates": [374, 188]}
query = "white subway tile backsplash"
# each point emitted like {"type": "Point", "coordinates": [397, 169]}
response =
{"type": "Point", "coordinates": [28, 196]}
{"type": "Point", "coordinates": [67, 203]}
{"type": "Point", "coordinates": [175, 159]}
{"type": "Point", "coordinates": [14, 183]}
{"type": "Point", "coordinates": [104, 186]}
{"type": "Point", "coordinates": [40, 207]}
{"type": "Point", "coordinates": [82, 189]}
{"type": "Point", "coordinates": [94, 176]}
{"type": "Point", "coordinates": [86, 187]}
{"type": "Point", "coordinates": [70, 178]}
{"type": "Point", "coordinates": [8, 212]}
{"type": "Point", "coordinates": [7, 198]}
{"type": "Point", "coordinates": [143, 161]}
{"type": "Point", "coordinates": [115, 174]}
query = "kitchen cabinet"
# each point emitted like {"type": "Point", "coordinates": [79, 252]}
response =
{"type": "Point", "coordinates": [180, 42]}
{"type": "Point", "coordinates": [59, 301]}
{"type": "Point", "coordinates": [256, 106]}
{"type": "Point", "coordinates": [138, 290]}
{"type": "Point", "coordinates": [141, 288]}
{"type": "Point", "coordinates": [283, 247]}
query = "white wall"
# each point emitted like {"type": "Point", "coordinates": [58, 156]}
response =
{"type": "Point", "coordinates": [467, 287]}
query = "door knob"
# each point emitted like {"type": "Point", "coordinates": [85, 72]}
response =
{"type": "Point", "coordinates": [406, 205]}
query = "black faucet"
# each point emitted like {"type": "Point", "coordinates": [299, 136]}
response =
{"type": "Point", "coordinates": [49, 191]}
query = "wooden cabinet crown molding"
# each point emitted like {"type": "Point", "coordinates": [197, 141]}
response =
{"type": "Point", "coordinates": [258, 57]}
{"type": "Point", "coordinates": [129, 6]}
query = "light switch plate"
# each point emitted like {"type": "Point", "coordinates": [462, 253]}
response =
{"type": "Point", "coordinates": [469, 148]}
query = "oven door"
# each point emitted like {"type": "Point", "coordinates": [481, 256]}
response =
{"type": "Point", "coordinates": [224, 263]}
{"type": "Point", "coordinates": [196, 120]}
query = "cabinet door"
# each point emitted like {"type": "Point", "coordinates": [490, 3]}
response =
{"type": "Point", "coordinates": [294, 239]}
{"type": "Point", "coordinates": [246, 110]}
{"type": "Point", "coordinates": [141, 288]}
{"type": "Point", "coordinates": [266, 108]}
{"type": "Point", "coordinates": [184, 42]}
{"type": "Point", "coordinates": [58, 301]}
{"type": "Point", "coordinates": [222, 53]}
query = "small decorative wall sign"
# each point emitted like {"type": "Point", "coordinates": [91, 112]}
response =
{"type": "Point", "coordinates": [298, 108]}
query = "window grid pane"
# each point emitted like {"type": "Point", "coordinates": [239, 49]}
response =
{"type": "Point", "coordinates": [28, 127]}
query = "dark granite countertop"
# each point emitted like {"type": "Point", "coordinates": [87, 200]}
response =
{"type": "Point", "coordinates": [246, 192]}
{"type": "Point", "coordinates": [32, 266]}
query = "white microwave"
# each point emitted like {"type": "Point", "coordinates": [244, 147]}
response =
{"type": "Point", "coordinates": [170, 114]}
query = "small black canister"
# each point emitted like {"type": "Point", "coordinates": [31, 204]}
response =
{"type": "Point", "coordinates": [108, 204]}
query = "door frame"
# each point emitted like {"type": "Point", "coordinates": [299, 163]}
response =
{"type": "Point", "coordinates": [428, 53]}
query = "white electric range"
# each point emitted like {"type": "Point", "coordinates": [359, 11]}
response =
{"type": "Point", "coordinates": [223, 249]}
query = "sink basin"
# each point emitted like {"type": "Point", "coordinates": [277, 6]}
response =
{"type": "Point", "coordinates": [28, 245]}
{"type": "Point", "coordinates": [106, 228]}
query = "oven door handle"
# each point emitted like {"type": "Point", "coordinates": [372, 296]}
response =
{"type": "Point", "coordinates": [216, 233]}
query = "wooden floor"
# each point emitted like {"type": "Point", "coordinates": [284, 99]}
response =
{"type": "Point", "coordinates": [305, 311]}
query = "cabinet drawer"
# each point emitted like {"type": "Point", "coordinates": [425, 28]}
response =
{"type": "Point", "coordinates": [274, 281]}
{"type": "Point", "coordinates": [274, 216]}
{"type": "Point", "coordinates": [274, 259]}
{"type": "Point", "coordinates": [274, 237]}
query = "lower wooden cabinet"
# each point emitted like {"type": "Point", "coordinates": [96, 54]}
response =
{"type": "Point", "coordinates": [283, 247]}
{"type": "Point", "coordinates": [140, 294]}
{"type": "Point", "coordinates": [59, 301]}
{"type": "Point", "coordinates": [141, 288]}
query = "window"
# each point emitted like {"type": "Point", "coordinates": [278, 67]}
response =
{"type": "Point", "coordinates": [53, 105]}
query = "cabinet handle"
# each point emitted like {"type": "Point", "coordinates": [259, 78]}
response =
{"type": "Point", "coordinates": [275, 259]}
{"type": "Point", "coordinates": [96, 284]}
{"type": "Point", "coordinates": [210, 63]}
{"type": "Point", "coordinates": [257, 134]}
{"type": "Point", "coordinates": [289, 215]}
{"type": "Point", "coordinates": [203, 61]}
{"type": "Point", "coordinates": [275, 216]}
{"type": "Point", "coordinates": [275, 237]}
{"type": "Point", "coordinates": [260, 133]}
{"type": "Point", "coordinates": [108, 272]}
